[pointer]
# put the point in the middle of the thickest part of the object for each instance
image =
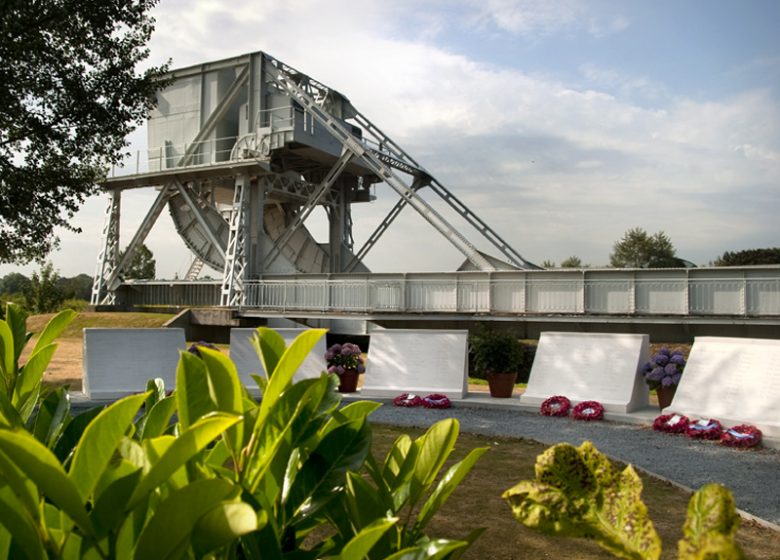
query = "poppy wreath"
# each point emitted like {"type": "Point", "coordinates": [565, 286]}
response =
{"type": "Point", "coordinates": [704, 429]}
{"type": "Point", "coordinates": [436, 400]}
{"type": "Point", "coordinates": [407, 400]}
{"type": "Point", "coordinates": [671, 423]}
{"type": "Point", "coordinates": [555, 406]}
{"type": "Point", "coordinates": [588, 410]}
{"type": "Point", "coordinates": [742, 436]}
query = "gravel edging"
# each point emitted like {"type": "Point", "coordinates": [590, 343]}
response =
{"type": "Point", "coordinates": [753, 476]}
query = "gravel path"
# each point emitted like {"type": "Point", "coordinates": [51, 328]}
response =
{"type": "Point", "coordinates": [753, 476]}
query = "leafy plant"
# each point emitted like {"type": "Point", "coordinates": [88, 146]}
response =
{"type": "Point", "coordinates": [230, 478]}
{"type": "Point", "coordinates": [496, 351]}
{"type": "Point", "coordinates": [579, 493]}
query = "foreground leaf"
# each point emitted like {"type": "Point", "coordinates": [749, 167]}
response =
{"type": "Point", "coordinates": [577, 493]}
{"type": "Point", "coordinates": [711, 526]}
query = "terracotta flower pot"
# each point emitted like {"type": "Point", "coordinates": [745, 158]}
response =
{"type": "Point", "coordinates": [665, 395]}
{"type": "Point", "coordinates": [502, 384]}
{"type": "Point", "coordinates": [348, 381]}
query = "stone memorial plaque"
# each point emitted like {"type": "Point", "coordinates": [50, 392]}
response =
{"type": "Point", "coordinates": [590, 367]}
{"type": "Point", "coordinates": [119, 362]}
{"type": "Point", "coordinates": [243, 354]}
{"type": "Point", "coordinates": [416, 361]}
{"type": "Point", "coordinates": [734, 380]}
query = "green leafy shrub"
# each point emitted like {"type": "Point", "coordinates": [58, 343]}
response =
{"type": "Point", "coordinates": [494, 351]}
{"type": "Point", "coordinates": [229, 478]}
{"type": "Point", "coordinates": [579, 493]}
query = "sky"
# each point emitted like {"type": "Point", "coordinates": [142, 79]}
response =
{"type": "Point", "coordinates": [561, 123]}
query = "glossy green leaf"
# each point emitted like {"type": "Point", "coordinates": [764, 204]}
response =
{"type": "Point", "coordinates": [396, 458]}
{"type": "Point", "coordinates": [53, 329]}
{"type": "Point", "coordinates": [578, 493]}
{"type": "Point", "coordinates": [168, 531]}
{"type": "Point", "coordinates": [324, 471]}
{"type": "Point", "coordinates": [223, 524]}
{"type": "Point", "coordinates": [269, 346]}
{"type": "Point", "coordinates": [159, 418]}
{"type": "Point", "coordinates": [32, 372]}
{"type": "Point", "coordinates": [361, 544]}
{"type": "Point", "coordinates": [100, 440]}
{"type": "Point", "coordinates": [429, 550]}
{"type": "Point", "coordinates": [72, 433]}
{"type": "Point", "coordinates": [187, 445]}
{"type": "Point", "coordinates": [43, 468]}
{"type": "Point", "coordinates": [109, 509]}
{"type": "Point", "coordinates": [16, 520]}
{"type": "Point", "coordinates": [711, 526]}
{"type": "Point", "coordinates": [53, 414]}
{"type": "Point", "coordinates": [227, 392]}
{"type": "Point", "coordinates": [16, 318]}
{"type": "Point", "coordinates": [193, 398]}
{"type": "Point", "coordinates": [364, 503]}
{"type": "Point", "coordinates": [21, 485]}
{"type": "Point", "coordinates": [288, 364]}
{"type": "Point", "coordinates": [446, 486]}
{"type": "Point", "coordinates": [357, 410]}
{"type": "Point", "coordinates": [437, 444]}
{"type": "Point", "coordinates": [7, 361]}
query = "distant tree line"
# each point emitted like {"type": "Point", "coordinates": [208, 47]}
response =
{"type": "Point", "coordinates": [749, 257]}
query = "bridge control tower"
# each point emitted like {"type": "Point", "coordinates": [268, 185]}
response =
{"type": "Point", "coordinates": [242, 150]}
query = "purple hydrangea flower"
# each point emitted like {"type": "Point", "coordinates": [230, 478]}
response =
{"type": "Point", "coordinates": [670, 368]}
{"type": "Point", "coordinates": [661, 359]}
{"type": "Point", "coordinates": [656, 374]}
{"type": "Point", "coordinates": [678, 359]}
{"type": "Point", "coordinates": [667, 381]}
{"type": "Point", "coordinates": [328, 355]}
{"type": "Point", "coordinates": [676, 378]}
{"type": "Point", "coordinates": [340, 369]}
{"type": "Point", "coordinates": [361, 368]}
{"type": "Point", "coordinates": [664, 352]}
{"type": "Point", "coordinates": [336, 348]}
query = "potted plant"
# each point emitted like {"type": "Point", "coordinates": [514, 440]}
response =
{"type": "Point", "coordinates": [663, 373]}
{"type": "Point", "coordinates": [497, 356]}
{"type": "Point", "coordinates": [346, 361]}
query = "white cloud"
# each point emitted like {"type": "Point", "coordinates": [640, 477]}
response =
{"type": "Point", "coordinates": [556, 168]}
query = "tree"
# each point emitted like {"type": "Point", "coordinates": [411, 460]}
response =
{"type": "Point", "coordinates": [43, 295]}
{"type": "Point", "coordinates": [638, 249]}
{"type": "Point", "coordinates": [572, 262]}
{"type": "Point", "coordinates": [14, 283]}
{"type": "Point", "coordinates": [70, 96]}
{"type": "Point", "coordinates": [749, 257]}
{"type": "Point", "coordinates": [143, 266]}
{"type": "Point", "coordinates": [77, 287]}
{"type": "Point", "coordinates": [548, 264]}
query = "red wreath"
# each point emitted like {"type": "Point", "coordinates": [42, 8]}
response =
{"type": "Point", "coordinates": [704, 429]}
{"type": "Point", "coordinates": [436, 400]}
{"type": "Point", "coordinates": [742, 436]}
{"type": "Point", "coordinates": [555, 406]}
{"type": "Point", "coordinates": [407, 400]}
{"type": "Point", "coordinates": [671, 423]}
{"type": "Point", "coordinates": [588, 410]}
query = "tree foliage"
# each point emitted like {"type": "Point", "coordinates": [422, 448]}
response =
{"type": "Point", "coordinates": [43, 294]}
{"type": "Point", "coordinates": [749, 257]}
{"type": "Point", "coordinates": [70, 96]}
{"type": "Point", "coordinates": [142, 266]}
{"type": "Point", "coordinates": [638, 249]}
{"type": "Point", "coordinates": [572, 262]}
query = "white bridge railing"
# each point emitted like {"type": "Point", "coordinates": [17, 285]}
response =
{"type": "Point", "coordinates": [744, 291]}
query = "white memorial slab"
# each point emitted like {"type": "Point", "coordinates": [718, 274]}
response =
{"type": "Point", "coordinates": [243, 354]}
{"type": "Point", "coordinates": [417, 361]}
{"type": "Point", "coordinates": [590, 367]}
{"type": "Point", "coordinates": [119, 362]}
{"type": "Point", "coordinates": [734, 380]}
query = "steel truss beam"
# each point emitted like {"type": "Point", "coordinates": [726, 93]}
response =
{"type": "Point", "coordinates": [232, 290]}
{"type": "Point", "coordinates": [109, 252]}
{"type": "Point", "coordinates": [290, 83]}
{"type": "Point", "coordinates": [310, 205]}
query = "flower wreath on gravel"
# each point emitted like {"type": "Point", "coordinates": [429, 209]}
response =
{"type": "Point", "coordinates": [742, 436]}
{"type": "Point", "coordinates": [436, 400]}
{"type": "Point", "coordinates": [671, 423]}
{"type": "Point", "coordinates": [407, 400]}
{"type": "Point", "coordinates": [588, 410]}
{"type": "Point", "coordinates": [555, 406]}
{"type": "Point", "coordinates": [704, 429]}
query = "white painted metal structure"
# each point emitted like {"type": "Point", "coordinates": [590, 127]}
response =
{"type": "Point", "coordinates": [701, 292]}
{"type": "Point", "coordinates": [243, 150]}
